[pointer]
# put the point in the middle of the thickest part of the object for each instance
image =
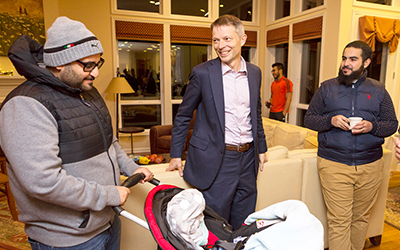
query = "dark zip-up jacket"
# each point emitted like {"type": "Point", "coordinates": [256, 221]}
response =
{"type": "Point", "coordinates": [64, 162]}
{"type": "Point", "coordinates": [366, 98]}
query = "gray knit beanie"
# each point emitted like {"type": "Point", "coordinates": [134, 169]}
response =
{"type": "Point", "coordinates": [68, 41]}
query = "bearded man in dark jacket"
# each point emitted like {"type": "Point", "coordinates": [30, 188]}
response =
{"type": "Point", "coordinates": [64, 162]}
{"type": "Point", "coordinates": [350, 158]}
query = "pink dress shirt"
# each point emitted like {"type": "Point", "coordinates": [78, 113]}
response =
{"type": "Point", "coordinates": [237, 105]}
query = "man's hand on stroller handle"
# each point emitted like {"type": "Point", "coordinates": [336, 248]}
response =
{"type": "Point", "coordinates": [123, 194]}
{"type": "Point", "coordinates": [175, 164]}
{"type": "Point", "coordinates": [147, 173]}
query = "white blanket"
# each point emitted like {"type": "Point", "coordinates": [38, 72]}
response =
{"type": "Point", "coordinates": [295, 228]}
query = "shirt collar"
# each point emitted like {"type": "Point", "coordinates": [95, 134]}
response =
{"type": "Point", "coordinates": [226, 68]}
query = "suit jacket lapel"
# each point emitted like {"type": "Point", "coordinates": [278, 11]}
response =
{"type": "Point", "coordinates": [215, 73]}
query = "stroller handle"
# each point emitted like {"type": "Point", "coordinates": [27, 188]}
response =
{"type": "Point", "coordinates": [132, 181]}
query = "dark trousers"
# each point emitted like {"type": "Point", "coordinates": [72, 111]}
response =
{"type": "Point", "coordinates": [277, 116]}
{"type": "Point", "coordinates": [233, 194]}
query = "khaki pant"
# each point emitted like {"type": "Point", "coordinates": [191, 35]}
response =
{"type": "Point", "coordinates": [349, 193]}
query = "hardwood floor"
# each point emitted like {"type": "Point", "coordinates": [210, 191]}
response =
{"type": "Point", "coordinates": [390, 239]}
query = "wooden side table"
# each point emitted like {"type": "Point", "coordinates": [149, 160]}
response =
{"type": "Point", "coordinates": [131, 130]}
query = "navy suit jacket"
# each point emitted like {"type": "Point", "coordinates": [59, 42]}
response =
{"type": "Point", "coordinates": [207, 144]}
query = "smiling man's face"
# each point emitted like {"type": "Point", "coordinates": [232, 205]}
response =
{"type": "Point", "coordinates": [228, 45]}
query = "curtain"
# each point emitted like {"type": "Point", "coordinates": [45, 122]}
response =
{"type": "Point", "coordinates": [383, 29]}
{"type": "Point", "coordinates": [278, 36]}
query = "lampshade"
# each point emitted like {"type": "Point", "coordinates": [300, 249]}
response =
{"type": "Point", "coordinates": [119, 85]}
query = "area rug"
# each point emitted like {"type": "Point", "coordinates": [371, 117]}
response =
{"type": "Point", "coordinates": [392, 212]}
{"type": "Point", "coordinates": [12, 235]}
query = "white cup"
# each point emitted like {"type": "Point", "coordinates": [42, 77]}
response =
{"type": "Point", "coordinates": [354, 121]}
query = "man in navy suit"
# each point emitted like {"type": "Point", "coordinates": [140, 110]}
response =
{"type": "Point", "coordinates": [228, 144]}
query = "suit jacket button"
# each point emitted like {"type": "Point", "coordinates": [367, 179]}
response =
{"type": "Point", "coordinates": [221, 151]}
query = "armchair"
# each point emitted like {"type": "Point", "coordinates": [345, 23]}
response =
{"type": "Point", "coordinates": [160, 137]}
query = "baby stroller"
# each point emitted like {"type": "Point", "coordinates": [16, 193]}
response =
{"type": "Point", "coordinates": [283, 225]}
{"type": "Point", "coordinates": [221, 234]}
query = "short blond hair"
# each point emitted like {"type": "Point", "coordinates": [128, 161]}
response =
{"type": "Point", "coordinates": [229, 20]}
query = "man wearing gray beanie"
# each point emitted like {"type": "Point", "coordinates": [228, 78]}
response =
{"type": "Point", "coordinates": [64, 163]}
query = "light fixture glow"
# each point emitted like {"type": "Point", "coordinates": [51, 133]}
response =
{"type": "Point", "coordinates": [157, 3]}
{"type": "Point", "coordinates": [206, 14]}
{"type": "Point", "coordinates": [202, 10]}
{"type": "Point", "coordinates": [221, 5]}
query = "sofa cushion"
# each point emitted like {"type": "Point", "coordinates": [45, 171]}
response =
{"type": "Point", "coordinates": [269, 130]}
{"type": "Point", "coordinates": [302, 153]}
{"type": "Point", "coordinates": [277, 152]}
{"type": "Point", "coordinates": [311, 142]}
{"type": "Point", "coordinates": [289, 136]}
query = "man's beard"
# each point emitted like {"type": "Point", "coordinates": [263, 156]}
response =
{"type": "Point", "coordinates": [348, 80]}
{"type": "Point", "coordinates": [73, 80]}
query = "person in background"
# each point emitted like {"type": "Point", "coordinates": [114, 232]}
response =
{"type": "Point", "coordinates": [281, 94]}
{"type": "Point", "coordinates": [64, 163]}
{"type": "Point", "coordinates": [350, 159]}
{"type": "Point", "coordinates": [228, 143]}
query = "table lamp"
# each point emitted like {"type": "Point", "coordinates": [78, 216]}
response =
{"type": "Point", "coordinates": [119, 85]}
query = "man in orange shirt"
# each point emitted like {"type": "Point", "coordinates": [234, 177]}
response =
{"type": "Point", "coordinates": [281, 94]}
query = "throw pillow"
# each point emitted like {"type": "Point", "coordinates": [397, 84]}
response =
{"type": "Point", "coordinates": [290, 137]}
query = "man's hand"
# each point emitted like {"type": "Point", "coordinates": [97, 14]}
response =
{"type": "Point", "coordinates": [341, 121]}
{"type": "Point", "coordinates": [362, 127]}
{"type": "Point", "coordinates": [123, 194]}
{"type": "Point", "coordinates": [175, 163]}
{"type": "Point", "coordinates": [263, 159]}
{"type": "Point", "coordinates": [147, 173]}
{"type": "Point", "coordinates": [397, 143]}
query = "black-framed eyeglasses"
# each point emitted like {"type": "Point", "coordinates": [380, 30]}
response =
{"type": "Point", "coordinates": [89, 66]}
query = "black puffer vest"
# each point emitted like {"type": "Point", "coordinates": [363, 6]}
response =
{"type": "Point", "coordinates": [362, 99]}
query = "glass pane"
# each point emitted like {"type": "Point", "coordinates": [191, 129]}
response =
{"type": "Point", "coordinates": [175, 108]}
{"type": "Point", "coordinates": [377, 67]}
{"type": "Point", "coordinates": [190, 7]}
{"type": "Point", "coordinates": [139, 63]}
{"type": "Point", "coordinates": [183, 58]}
{"type": "Point", "coordinates": [383, 2]}
{"type": "Point", "coordinates": [243, 9]}
{"type": "Point", "coordinates": [309, 80]}
{"type": "Point", "coordinates": [141, 115]}
{"type": "Point", "coordinates": [309, 4]}
{"type": "Point", "coordinates": [246, 53]}
{"type": "Point", "coordinates": [282, 8]}
{"type": "Point", "coordinates": [139, 5]}
{"type": "Point", "coordinates": [281, 55]}
{"type": "Point", "coordinates": [300, 117]}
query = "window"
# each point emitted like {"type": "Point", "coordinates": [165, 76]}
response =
{"type": "Point", "coordinates": [243, 9]}
{"type": "Point", "coordinates": [139, 63]}
{"type": "Point", "coordinates": [383, 2]}
{"type": "Point", "coordinates": [139, 5]}
{"type": "Point", "coordinates": [309, 80]}
{"type": "Point", "coordinates": [183, 58]}
{"type": "Point", "coordinates": [144, 116]}
{"type": "Point", "coordinates": [190, 7]}
{"type": "Point", "coordinates": [281, 55]}
{"type": "Point", "coordinates": [282, 8]}
{"type": "Point", "coordinates": [309, 4]}
{"type": "Point", "coordinates": [377, 67]}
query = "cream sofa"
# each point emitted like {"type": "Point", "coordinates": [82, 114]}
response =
{"type": "Point", "coordinates": [289, 174]}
